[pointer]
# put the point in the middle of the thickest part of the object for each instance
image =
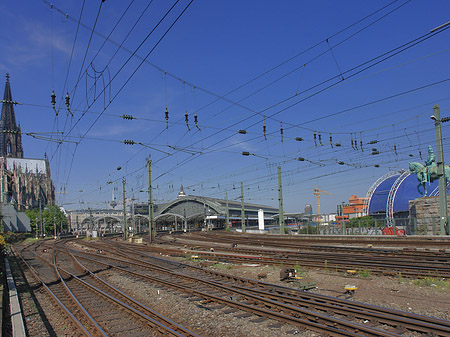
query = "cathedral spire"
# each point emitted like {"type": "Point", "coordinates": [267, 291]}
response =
{"type": "Point", "coordinates": [10, 134]}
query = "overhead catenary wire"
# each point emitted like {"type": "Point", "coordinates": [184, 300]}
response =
{"type": "Point", "coordinates": [286, 129]}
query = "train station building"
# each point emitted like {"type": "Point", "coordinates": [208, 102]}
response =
{"type": "Point", "coordinates": [186, 212]}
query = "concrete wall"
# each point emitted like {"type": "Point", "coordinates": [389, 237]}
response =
{"type": "Point", "coordinates": [425, 211]}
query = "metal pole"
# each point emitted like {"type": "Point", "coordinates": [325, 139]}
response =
{"type": "Point", "coordinates": [40, 218]}
{"type": "Point", "coordinates": [151, 225]}
{"type": "Point", "coordinates": [228, 213]}
{"type": "Point", "coordinates": [443, 213]}
{"type": "Point", "coordinates": [54, 226]}
{"type": "Point", "coordinates": [280, 202]}
{"type": "Point", "coordinates": [242, 208]}
{"type": "Point", "coordinates": [132, 217]}
{"type": "Point", "coordinates": [124, 227]}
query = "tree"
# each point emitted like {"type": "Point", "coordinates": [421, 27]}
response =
{"type": "Point", "coordinates": [364, 221]}
{"type": "Point", "coordinates": [50, 215]}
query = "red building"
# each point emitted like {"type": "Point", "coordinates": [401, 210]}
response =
{"type": "Point", "coordinates": [354, 209]}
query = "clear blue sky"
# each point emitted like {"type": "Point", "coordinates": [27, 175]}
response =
{"type": "Point", "coordinates": [329, 68]}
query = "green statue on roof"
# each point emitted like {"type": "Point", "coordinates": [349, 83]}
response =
{"type": "Point", "coordinates": [427, 173]}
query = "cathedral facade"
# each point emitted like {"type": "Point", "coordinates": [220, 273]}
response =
{"type": "Point", "coordinates": [24, 182]}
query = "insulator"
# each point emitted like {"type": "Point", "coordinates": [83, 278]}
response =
{"type": "Point", "coordinates": [331, 140]}
{"type": "Point", "coordinates": [242, 132]}
{"type": "Point", "coordinates": [353, 146]}
{"type": "Point", "coordinates": [395, 149]}
{"type": "Point", "coordinates": [128, 117]}
{"type": "Point", "coordinates": [301, 159]}
{"type": "Point", "coordinates": [341, 163]}
{"type": "Point", "coordinates": [410, 155]}
{"type": "Point", "coordinates": [315, 139]}
{"type": "Point", "coordinates": [299, 139]}
{"type": "Point", "coordinates": [54, 101]}
{"type": "Point", "coordinates": [320, 139]}
{"type": "Point", "coordinates": [361, 145]}
{"type": "Point", "coordinates": [195, 120]}
{"type": "Point", "coordinates": [281, 131]}
{"type": "Point", "coordinates": [373, 142]}
{"type": "Point", "coordinates": [356, 144]}
{"type": "Point", "coordinates": [420, 154]}
{"type": "Point", "coordinates": [186, 118]}
{"type": "Point", "coordinates": [375, 152]}
{"type": "Point", "coordinates": [245, 153]}
{"type": "Point", "coordinates": [338, 144]}
{"type": "Point", "coordinates": [68, 103]}
{"type": "Point", "coordinates": [167, 118]}
{"type": "Point", "coordinates": [264, 128]}
{"type": "Point", "coordinates": [376, 165]}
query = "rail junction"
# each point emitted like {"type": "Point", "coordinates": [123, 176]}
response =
{"type": "Point", "coordinates": [78, 275]}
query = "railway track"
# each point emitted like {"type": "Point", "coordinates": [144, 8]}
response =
{"type": "Point", "coordinates": [98, 308]}
{"type": "Point", "coordinates": [408, 263]}
{"type": "Point", "coordinates": [328, 315]}
{"type": "Point", "coordinates": [292, 241]}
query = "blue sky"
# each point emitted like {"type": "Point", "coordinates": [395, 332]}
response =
{"type": "Point", "coordinates": [348, 72]}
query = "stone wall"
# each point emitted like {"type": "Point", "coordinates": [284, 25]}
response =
{"type": "Point", "coordinates": [425, 211]}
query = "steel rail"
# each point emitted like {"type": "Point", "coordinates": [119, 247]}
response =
{"type": "Point", "coordinates": [55, 298]}
{"type": "Point", "coordinates": [218, 285]}
{"type": "Point", "coordinates": [331, 323]}
{"type": "Point", "coordinates": [165, 330]}
{"type": "Point", "coordinates": [419, 323]}
{"type": "Point", "coordinates": [168, 322]}
{"type": "Point", "coordinates": [379, 268]}
{"type": "Point", "coordinates": [122, 304]}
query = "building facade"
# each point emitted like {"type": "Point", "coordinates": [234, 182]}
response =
{"type": "Point", "coordinates": [24, 182]}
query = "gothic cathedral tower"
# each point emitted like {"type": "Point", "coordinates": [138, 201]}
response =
{"type": "Point", "coordinates": [10, 133]}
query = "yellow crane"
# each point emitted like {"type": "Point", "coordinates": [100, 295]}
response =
{"type": "Point", "coordinates": [317, 193]}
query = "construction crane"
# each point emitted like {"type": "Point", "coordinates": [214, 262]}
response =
{"type": "Point", "coordinates": [317, 193]}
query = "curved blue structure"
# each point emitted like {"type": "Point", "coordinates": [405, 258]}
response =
{"type": "Point", "coordinates": [391, 194]}
{"type": "Point", "coordinates": [378, 199]}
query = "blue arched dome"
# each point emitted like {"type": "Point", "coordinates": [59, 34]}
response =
{"type": "Point", "coordinates": [392, 192]}
{"type": "Point", "coordinates": [378, 199]}
{"type": "Point", "coordinates": [407, 190]}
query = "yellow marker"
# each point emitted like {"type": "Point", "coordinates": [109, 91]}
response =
{"type": "Point", "coordinates": [350, 288]}
{"type": "Point", "coordinates": [350, 271]}
{"type": "Point", "coordinates": [370, 245]}
{"type": "Point", "coordinates": [194, 257]}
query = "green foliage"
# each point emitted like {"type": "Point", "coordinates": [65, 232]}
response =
{"type": "Point", "coordinates": [365, 221]}
{"type": "Point", "coordinates": [308, 229]}
{"type": "Point", "coordinates": [222, 266]}
{"type": "Point", "coordinates": [441, 284]}
{"type": "Point", "coordinates": [400, 278]}
{"type": "Point", "coordinates": [50, 215]}
{"type": "Point", "coordinates": [363, 272]}
{"type": "Point", "coordinates": [300, 272]}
